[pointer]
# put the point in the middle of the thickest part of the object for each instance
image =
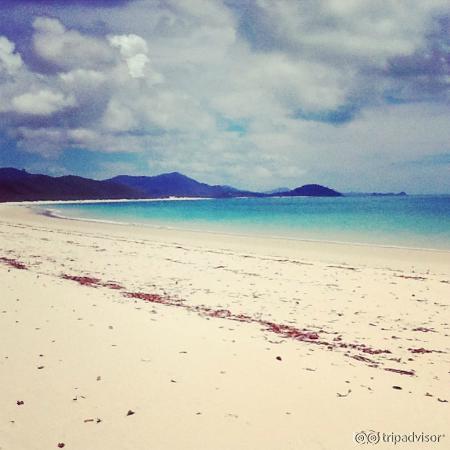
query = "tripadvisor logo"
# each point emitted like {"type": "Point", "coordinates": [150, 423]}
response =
{"type": "Point", "coordinates": [375, 437]}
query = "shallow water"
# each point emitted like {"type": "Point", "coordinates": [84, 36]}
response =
{"type": "Point", "coordinates": [411, 221]}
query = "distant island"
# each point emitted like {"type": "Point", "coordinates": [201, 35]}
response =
{"type": "Point", "coordinates": [375, 194]}
{"type": "Point", "coordinates": [276, 190]}
{"type": "Point", "coordinates": [310, 190]}
{"type": "Point", "coordinates": [20, 185]}
{"type": "Point", "coordinates": [387, 194]}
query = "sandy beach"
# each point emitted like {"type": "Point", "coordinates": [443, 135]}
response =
{"type": "Point", "coordinates": [123, 337]}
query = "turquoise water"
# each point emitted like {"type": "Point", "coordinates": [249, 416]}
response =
{"type": "Point", "coordinates": [411, 221]}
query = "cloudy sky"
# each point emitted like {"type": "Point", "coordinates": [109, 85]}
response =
{"type": "Point", "coordinates": [353, 94]}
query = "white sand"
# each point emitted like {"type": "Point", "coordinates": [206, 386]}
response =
{"type": "Point", "coordinates": [196, 381]}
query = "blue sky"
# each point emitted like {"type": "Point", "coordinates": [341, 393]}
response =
{"type": "Point", "coordinates": [252, 93]}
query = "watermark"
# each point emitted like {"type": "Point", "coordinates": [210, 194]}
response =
{"type": "Point", "coordinates": [375, 437]}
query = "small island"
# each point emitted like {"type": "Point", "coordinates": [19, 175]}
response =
{"type": "Point", "coordinates": [310, 190]}
{"type": "Point", "coordinates": [388, 194]}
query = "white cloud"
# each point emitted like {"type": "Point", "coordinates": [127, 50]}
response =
{"type": "Point", "coordinates": [362, 30]}
{"type": "Point", "coordinates": [129, 45]}
{"type": "Point", "coordinates": [41, 103]}
{"type": "Point", "coordinates": [83, 77]}
{"type": "Point", "coordinates": [118, 118]}
{"type": "Point", "coordinates": [50, 26]}
{"type": "Point", "coordinates": [136, 65]}
{"type": "Point", "coordinates": [134, 51]}
{"type": "Point", "coordinates": [44, 141]}
{"type": "Point", "coordinates": [68, 49]}
{"type": "Point", "coordinates": [10, 61]}
{"type": "Point", "coordinates": [82, 136]}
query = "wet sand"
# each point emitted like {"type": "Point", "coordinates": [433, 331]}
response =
{"type": "Point", "coordinates": [122, 337]}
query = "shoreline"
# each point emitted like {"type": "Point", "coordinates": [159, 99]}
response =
{"type": "Point", "coordinates": [335, 252]}
{"type": "Point", "coordinates": [57, 215]}
{"type": "Point", "coordinates": [123, 200]}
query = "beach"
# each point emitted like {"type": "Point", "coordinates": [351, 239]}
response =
{"type": "Point", "coordinates": [127, 337]}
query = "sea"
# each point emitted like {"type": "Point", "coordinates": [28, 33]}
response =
{"type": "Point", "coordinates": [414, 221]}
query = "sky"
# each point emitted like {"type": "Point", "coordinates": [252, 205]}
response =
{"type": "Point", "coordinates": [256, 94]}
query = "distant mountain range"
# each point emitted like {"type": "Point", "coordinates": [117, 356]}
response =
{"type": "Point", "coordinates": [19, 185]}
{"type": "Point", "coordinates": [176, 184]}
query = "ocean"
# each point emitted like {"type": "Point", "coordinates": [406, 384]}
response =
{"type": "Point", "coordinates": [405, 221]}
